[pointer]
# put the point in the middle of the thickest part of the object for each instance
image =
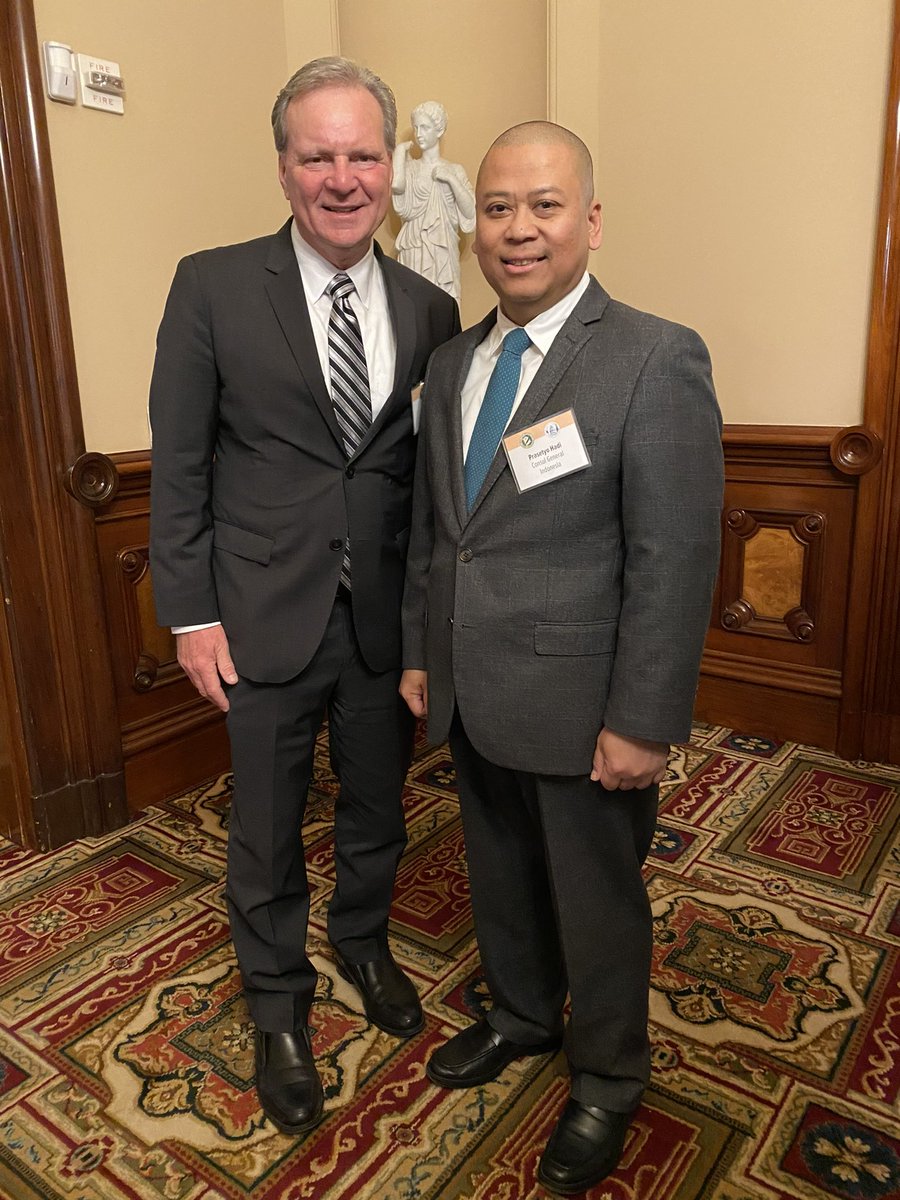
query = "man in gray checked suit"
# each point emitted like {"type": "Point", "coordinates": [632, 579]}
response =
{"type": "Point", "coordinates": [557, 595]}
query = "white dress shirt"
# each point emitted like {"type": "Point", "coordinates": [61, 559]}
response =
{"type": "Point", "coordinates": [370, 304]}
{"type": "Point", "coordinates": [542, 331]}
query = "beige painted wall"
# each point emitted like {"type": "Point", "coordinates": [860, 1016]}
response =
{"type": "Point", "coordinates": [190, 164]}
{"type": "Point", "coordinates": [486, 63]}
{"type": "Point", "coordinates": [738, 150]}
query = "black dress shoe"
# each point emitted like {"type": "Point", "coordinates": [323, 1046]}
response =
{"type": "Point", "coordinates": [584, 1148]}
{"type": "Point", "coordinates": [389, 998]}
{"type": "Point", "coordinates": [287, 1083]}
{"type": "Point", "coordinates": [478, 1055]}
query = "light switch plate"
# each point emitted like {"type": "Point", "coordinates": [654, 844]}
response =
{"type": "Point", "coordinates": [59, 69]}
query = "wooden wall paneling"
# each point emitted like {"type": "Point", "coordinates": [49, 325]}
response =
{"type": "Point", "coordinates": [772, 572]}
{"type": "Point", "coordinates": [172, 739]}
{"type": "Point", "coordinates": [60, 755]}
{"type": "Point", "coordinates": [773, 662]}
{"type": "Point", "coordinates": [870, 712]}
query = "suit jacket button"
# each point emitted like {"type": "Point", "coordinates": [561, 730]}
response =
{"type": "Point", "coordinates": [350, 472]}
{"type": "Point", "coordinates": [336, 544]}
{"type": "Point", "coordinates": [465, 556]}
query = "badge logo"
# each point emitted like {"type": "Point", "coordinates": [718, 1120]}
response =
{"type": "Point", "coordinates": [552, 429]}
{"type": "Point", "coordinates": [527, 440]}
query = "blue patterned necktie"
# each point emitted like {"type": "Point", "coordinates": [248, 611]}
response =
{"type": "Point", "coordinates": [495, 409]}
{"type": "Point", "coordinates": [349, 377]}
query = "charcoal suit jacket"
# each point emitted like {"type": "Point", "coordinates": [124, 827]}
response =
{"type": "Point", "coordinates": [253, 496]}
{"type": "Point", "coordinates": [584, 602]}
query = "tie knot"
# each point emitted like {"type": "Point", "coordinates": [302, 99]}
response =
{"type": "Point", "coordinates": [340, 287]}
{"type": "Point", "coordinates": [516, 342]}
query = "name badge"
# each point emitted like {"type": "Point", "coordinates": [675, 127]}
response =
{"type": "Point", "coordinates": [546, 451]}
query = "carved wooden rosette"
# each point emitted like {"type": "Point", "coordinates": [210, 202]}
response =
{"type": "Point", "coordinates": [856, 450]}
{"type": "Point", "coordinates": [92, 479]}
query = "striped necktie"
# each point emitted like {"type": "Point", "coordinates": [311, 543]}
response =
{"type": "Point", "coordinates": [349, 377]}
{"type": "Point", "coordinates": [494, 412]}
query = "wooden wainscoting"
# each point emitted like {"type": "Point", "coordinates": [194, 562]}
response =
{"type": "Point", "coordinates": [775, 652]}
{"type": "Point", "coordinates": [171, 738]}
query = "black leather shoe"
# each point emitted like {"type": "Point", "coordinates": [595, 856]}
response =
{"type": "Point", "coordinates": [389, 998]}
{"type": "Point", "coordinates": [287, 1083]}
{"type": "Point", "coordinates": [584, 1148]}
{"type": "Point", "coordinates": [478, 1055]}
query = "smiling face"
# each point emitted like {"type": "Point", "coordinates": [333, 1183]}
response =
{"type": "Point", "coordinates": [534, 227]}
{"type": "Point", "coordinates": [335, 170]}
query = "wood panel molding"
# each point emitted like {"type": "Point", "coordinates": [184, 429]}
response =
{"type": "Point", "coordinates": [771, 572]}
{"type": "Point", "coordinates": [787, 677]}
{"type": "Point", "coordinates": [61, 767]}
{"type": "Point", "coordinates": [773, 662]}
{"type": "Point", "coordinates": [780, 675]}
{"type": "Point", "coordinates": [172, 739]}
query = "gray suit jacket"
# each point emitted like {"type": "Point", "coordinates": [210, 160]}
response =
{"type": "Point", "coordinates": [252, 493]}
{"type": "Point", "coordinates": [583, 602]}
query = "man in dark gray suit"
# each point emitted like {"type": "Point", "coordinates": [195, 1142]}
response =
{"type": "Point", "coordinates": [557, 595]}
{"type": "Point", "coordinates": [283, 454]}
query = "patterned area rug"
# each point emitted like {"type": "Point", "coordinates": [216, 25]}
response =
{"type": "Point", "coordinates": [126, 1054]}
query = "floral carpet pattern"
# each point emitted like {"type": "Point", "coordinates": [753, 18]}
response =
{"type": "Point", "coordinates": [126, 1052]}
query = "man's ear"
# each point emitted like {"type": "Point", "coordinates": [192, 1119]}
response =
{"type": "Point", "coordinates": [595, 223]}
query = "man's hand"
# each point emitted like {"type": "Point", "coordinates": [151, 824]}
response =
{"type": "Point", "coordinates": [414, 690]}
{"type": "Point", "coordinates": [204, 655]}
{"type": "Point", "coordinates": [624, 763]}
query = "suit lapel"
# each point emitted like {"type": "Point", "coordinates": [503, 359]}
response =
{"type": "Point", "coordinates": [285, 290]}
{"type": "Point", "coordinates": [403, 317]}
{"type": "Point", "coordinates": [471, 339]}
{"type": "Point", "coordinates": [566, 345]}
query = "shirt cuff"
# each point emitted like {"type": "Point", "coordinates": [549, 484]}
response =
{"type": "Point", "coordinates": [176, 629]}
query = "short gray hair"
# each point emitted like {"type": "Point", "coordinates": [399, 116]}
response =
{"type": "Point", "coordinates": [334, 72]}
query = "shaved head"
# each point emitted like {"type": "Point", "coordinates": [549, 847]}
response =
{"type": "Point", "coordinates": [546, 133]}
{"type": "Point", "coordinates": [536, 218]}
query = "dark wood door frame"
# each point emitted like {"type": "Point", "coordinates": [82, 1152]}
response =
{"type": "Point", "coordinates": [61, 771]}
{"type": "Point", "coordinates": [870, 716]}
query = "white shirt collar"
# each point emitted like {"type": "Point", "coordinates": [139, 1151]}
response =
{"type": "Point", "coordinates": [318, 272]}
{"type": "Point", "coordinates": [545, 326]}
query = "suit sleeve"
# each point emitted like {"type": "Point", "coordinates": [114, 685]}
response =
{"type": "Point", "coordinates": [421, 546]}
{"type": "Point", "coordinates": [454, 323]}
{"type": "Point", "coordinates": [421, 540]}
{"type": "Point", "coordinates": [183, 418]}
{"type": "Point", "coordinates": [672, 483]}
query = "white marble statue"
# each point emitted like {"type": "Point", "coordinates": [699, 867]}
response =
{"type": "Point", "coordinates": [433, 199]}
